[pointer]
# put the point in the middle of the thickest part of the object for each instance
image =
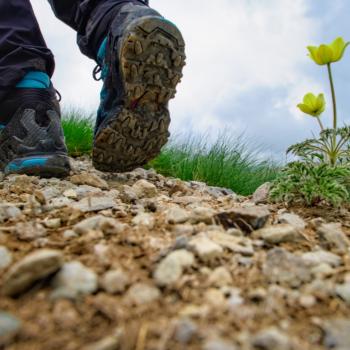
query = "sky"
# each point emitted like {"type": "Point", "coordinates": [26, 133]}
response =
{"type": "Point", "coordinates": [247, 66]}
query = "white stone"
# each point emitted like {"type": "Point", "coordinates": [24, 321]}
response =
{"type": "Point", "coordinates": [90, 179]}
{"type": "Point", "coordinates": [30, 269]}
{"type": "Point", "coordinates": [206, 249]}
{"type": "Point", "coordinates": [343, 290]}
{"type": "Point", "coordinates": [115, 281]}
{"type": "Point", "coordinates": [177, 215]}
{"type": "Point", "coordinates": [220, 277]}
{"type": "Point", "coordinates": [292, 219]}
{"type": "Point", "coordinates": [332, 237]}
{"type": "Point", "coordinates": [144, 219]}
{"type": "Point", "coordinates": [94, 203]}
{"type": "Point", "coordinates": [8, 211]}
{"type": "Point", "coordinates": [261, 195]}
{"type": "Point", "coordinates": [279, 234]}
{"type": "Point", "coordinates": [5, 257]}
{"type": "Point", "coordinates": [144, 189]}
{"type": "Point", "coordinates": [28, 231]}
{"type": "Point", "coordinates": [140, 294]}
{"type": "Point", "coordinates": [322, 257]}
{"type": "Point", "coordinates": [99, 222]}
{"type": "Point", "coordinates": [76, 277]}
{"type": "Point", "coordinates": [170, 269]}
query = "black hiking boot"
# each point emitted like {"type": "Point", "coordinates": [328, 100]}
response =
{"type": "Point", "coordinates": [31, 136]}
{"type": "Point", "coordinates": [141, 63]}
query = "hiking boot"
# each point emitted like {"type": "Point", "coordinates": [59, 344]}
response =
{"type": "Point", "coordinates": [141, 63]}
{"type": "Point", "coordinates": [31, 136]}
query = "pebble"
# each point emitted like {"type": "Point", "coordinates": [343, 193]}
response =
{"type": "Point", "coordinates": [8, 211]}
{"type": "Point", "coordinates": [321, 257]}
{"type": "Point", "coordinates": [141, 294]}
{"type": "Point", "coordinates": [52, 223]}
{"type": "Point", "coordinates": [271, 339]}
{"type": "Point", "coordinates": [247, 219]}
{"type": "Point", "coordinates": [28, 231]}
{"type": "Point", "coordinates": [286, 268]}
{"type": "Point", "coordinates": [218, 344]}
{"type": "Point", "coordinates": [185, 330]}
{"type": "Point", "coordinates": [293, 220]}
{"type": "Point", "coordinates": [5, 257]}
{"type": "Point", "coordinates": [74, 278]}
{"type": "Point", "coordinates": [170, 269]}
{"type": "Point", "coordinates": [205, 248]}
{"type": "Point", "coordinates": [337, 335]}
{"type": "Point", "coordinates": [144, 219]}
{"type": "Point", "coordinates": [202, 214]}
{"type": "Point", "coordinates": [239, 245]}
{"type": "Point", "coordinates": [31, 268]}
{"type": "Point", "coordinates": [177, 215]}
{"type": "Point", "coordinates": [343, 291]}
{"type": "Point", "coordinates": [144, 189]}
{"type": "Point", "coordinates": [107, 225]}
{"type": "Point", "coordinates": [220, 277]}
{"type": "Point", "coordinates": [115, 281]}
{"type": "Point", "coordinates": [307, 301]}
{"type": "Point", "coordinates": [281, 233]}
{"type": "Point", "coordinates": [90, 179]}
{"type": "Point", "coordinates": [261, 195]}
{"type": "Point", "coordinates": [9, 328]}
{"type": "Point", "coordinates": [332, 237]}
{"type": "Point", "coordinates": [94, 203]}
{"type": "Point", "coordinates": [183, 230]}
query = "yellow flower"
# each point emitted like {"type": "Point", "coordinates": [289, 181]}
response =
{"type": "Point", "coordinates": [325, 54]}
{"type": "Point", "coordinates": [313, 105]}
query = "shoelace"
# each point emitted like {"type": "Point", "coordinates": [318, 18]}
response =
{"type": "Point", "coordinates": [97, 70]}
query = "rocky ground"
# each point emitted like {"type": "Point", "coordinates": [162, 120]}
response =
{"type": "Point", "coordinates": [140, 261]}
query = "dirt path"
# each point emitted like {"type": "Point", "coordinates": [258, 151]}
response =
{"type": "Point", "coordinates": [139, 261]}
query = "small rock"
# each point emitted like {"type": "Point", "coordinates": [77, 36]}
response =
{"type": "Point", "coordinates": [52, 223]}
{"type": "Point", "coordinates": [115, 281]}
{"type": "Point", "coordinates": [321, 257]}
{"type": "Point", "coordinates": [185, 330]}
{"type": "Point", "coordinates": [220, 277]}
{"type": "Point", "coordinates": [337, 334]}
{"type": "Point", "coordinates": [30, 269]}
{"type": "Point", "coordinates": [89, 179]}
{"type": "Point", "coordinates": [271, 339]}
{"type": "Point", "coordinates": [322, 270]}
{"type": "Point", "coordinates": [108, 226]}
{"type": "Point", "coordinates": [257, 294]}
{"type": "Point", "coordinates": [94, 203]}
{"type": "Point", "coordinates": [5, 257]}
{"type": "Point", "coordinates": [286, 268]}
{"type": "Point", "coordinates": [343, 291]}
{"type": "Point", "coordinates": [240, 245]}
{"type": "Point", "coordinates": [70, 193]}
{"type": "Point", "coordinates": [28, 231]}
{"type": "Point", "coordinates": [128, 195]}
{"type": "Point", "coordinates": [332, 237]}
{"type": "Point", "coordinates": [261, 195]}
{"type": "Point", "coordinates": [219, 192]}
{"type": "Point", "coordinates": [202, 214]}
{"type": "Point", "coordinates": [206, 249]}
{"type": "Point", "coordinates": [144, 219]}
{"type": "Point", "coordinates": [292, 219]}
{"type": "Point", "coordinates": [144, 189]}
{"type": "Point", "coordinates": [75, 278]}
{"type": "Point", "coordinates": [276, 234]}
{"type": "Point", "coordinates": [170, 269]}
{"type": "Point", "coordinates": [9, 328]}
{"type": "Point", "coordinates": [8, 211]}
{"type": "Point", "coordinates": [177, 215]}
{"type": "Point", "coordinates": [183, 230]}
{"type": "Point", "coordinates": [247, 219]}
{"type": "Point", "coordinates": [218, 344]}
{"type": "Point", "coordinates": [140, 294]}
{"type": "Point", "coordinates": [215, 298]}
{"type": "Point", "coordinates": [307, 301]}
{"type": "Point", "coordinates": [68, 234]}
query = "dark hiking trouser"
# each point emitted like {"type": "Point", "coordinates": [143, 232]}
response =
{"type": "Point", "coordinates": [22, 46]}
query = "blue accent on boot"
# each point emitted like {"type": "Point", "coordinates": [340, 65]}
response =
{"type": "Point", "coordinates": [102, 51]}
{"type": "Point", "coordinates": [15, 166]}
{"type": "Point", "coordinates": [34, 80]}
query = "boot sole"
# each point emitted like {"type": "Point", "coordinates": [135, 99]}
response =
{"type": "Point", "coordinates": [46, 166]}
{"type": "Point", "coordinates": [151, 56]}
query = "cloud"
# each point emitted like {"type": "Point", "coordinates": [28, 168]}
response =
{"type": "Point", "coordinates": [246, 65]}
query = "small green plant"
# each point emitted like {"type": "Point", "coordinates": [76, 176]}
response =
{"type": "Point", "coordinates": [321, 174]}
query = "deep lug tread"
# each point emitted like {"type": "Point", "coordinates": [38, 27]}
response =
{"type": "Point", "coordinates": [151, 59]}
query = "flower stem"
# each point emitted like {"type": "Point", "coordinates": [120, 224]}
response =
{"type": "Point", "coordinates": [320, 123]}
{"type": "Point", "coordinates": [333, 96]}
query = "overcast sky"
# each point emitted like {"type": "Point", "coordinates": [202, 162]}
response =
{"type": "Point", "coordinates": [247, 65]}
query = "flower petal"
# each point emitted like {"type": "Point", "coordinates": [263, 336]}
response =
{"type": "Point", "coordinates": [305, 108]}
{"type": "Point", "coordinates": [313, 54]}
{"type": "Point", "coordinates": [325, 54]}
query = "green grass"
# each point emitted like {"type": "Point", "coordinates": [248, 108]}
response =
{"type": "Point", "coordinates": [227, 162]}
{"type": "Point", "coordinates": [78, 131]}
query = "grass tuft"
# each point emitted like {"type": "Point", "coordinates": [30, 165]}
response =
{"type": "Point", "coordinates": [227, 162]}
{"type": "Point", "coordinates": [78, 131]}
